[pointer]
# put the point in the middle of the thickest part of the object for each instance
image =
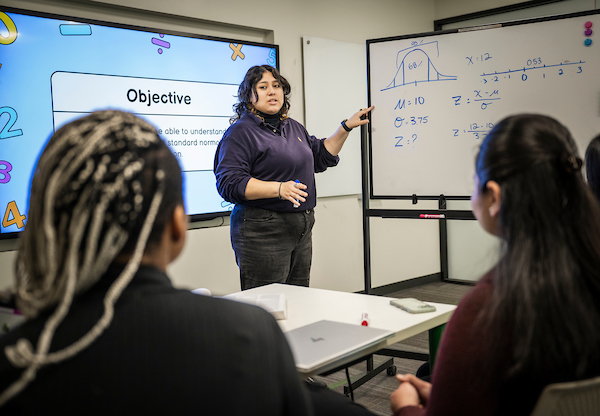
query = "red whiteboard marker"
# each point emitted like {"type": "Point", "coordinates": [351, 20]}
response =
{"type": "Point", "coordinates": [435, 216]}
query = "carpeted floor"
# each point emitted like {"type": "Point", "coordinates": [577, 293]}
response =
{"type": "Point", "coordinates": [374, 394]}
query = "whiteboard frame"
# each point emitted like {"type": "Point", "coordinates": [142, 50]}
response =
{"type": "Point", "coordinates": [438, 25]}
{"type": "Point", "coordinates": [438, 33]}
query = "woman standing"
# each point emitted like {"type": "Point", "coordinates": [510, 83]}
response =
{"type": "Point", "coordinates": [533, 319]}
{"type": "Point", "coordinates": [266, 165]}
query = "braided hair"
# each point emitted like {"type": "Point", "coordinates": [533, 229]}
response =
{"type": "Point", "coordinates": [105, 185]}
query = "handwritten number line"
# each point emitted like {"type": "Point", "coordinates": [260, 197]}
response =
{"type": "Point", "coordinates": [534, 67]}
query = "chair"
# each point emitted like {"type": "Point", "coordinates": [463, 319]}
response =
{"type": "Point", "coordinates": [575, 398]}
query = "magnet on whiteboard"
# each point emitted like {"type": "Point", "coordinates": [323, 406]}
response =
{"type": "Point", "coordinates": [587, 42]}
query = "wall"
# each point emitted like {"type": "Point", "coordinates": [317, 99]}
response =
{"type": "Point", "coordinates": [445, 8]}
{"type": "Point", "coordinates": [208, 259]}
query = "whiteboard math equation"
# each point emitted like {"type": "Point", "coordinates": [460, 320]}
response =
{"type": "Point", "coordinates": [406, 142]}
{"type": "Point", "coordinates": [478, 131]}
{"type": "Point", "coordinates": [410, 121]}
{"type": "Point", "coordinates": [414, 65]}
{"type": "Point", "coordinates": [407, 131]}
{"type": "Point", "coordinates": [474, 59]}
{"type": "Point", "coordinates": [481, 97]}
{"type": "Point", "coordinates": [404, 103]}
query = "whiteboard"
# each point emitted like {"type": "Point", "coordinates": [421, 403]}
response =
{"type": "Point", "coordinates": [437, 96]}
{"type": "Point", "coordinates": [335, 87]}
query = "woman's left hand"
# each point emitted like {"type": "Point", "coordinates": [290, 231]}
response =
{"type": "Point", "coordinates": [356, 120]}
{"type": "Point", "coordinates": [405, 395]}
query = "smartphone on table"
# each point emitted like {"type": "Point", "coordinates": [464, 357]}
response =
{"type": "Point", "coordinates": [412, 305]}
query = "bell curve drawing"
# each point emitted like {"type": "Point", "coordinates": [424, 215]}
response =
{"type": "Point", "coordinates": [414, 65]}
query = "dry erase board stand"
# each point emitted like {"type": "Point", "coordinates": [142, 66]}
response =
{"type": "Point", "coordinates": [437, 95]}
{"type": "Point", "coordinates": [442, 215]}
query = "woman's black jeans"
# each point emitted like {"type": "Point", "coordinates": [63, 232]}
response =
{"type": "Point", "coordinates": [272, 247]}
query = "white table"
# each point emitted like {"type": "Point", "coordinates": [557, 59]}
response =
{"type": "Point", "coordinates": [306, 305]}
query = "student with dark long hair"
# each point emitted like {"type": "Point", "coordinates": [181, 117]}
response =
{"type": "Point", "coordinates": [592, 165]}
{"type": "Point", "coordinates": [533, 319]}
{"type": "Point", "coordinates": [266, 165]}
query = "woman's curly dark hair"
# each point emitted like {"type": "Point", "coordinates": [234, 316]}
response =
{"type": "Point", "coordinates": [247, 91]}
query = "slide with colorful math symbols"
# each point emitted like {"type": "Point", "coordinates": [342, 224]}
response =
{"type": "Point", "coordinates": [54, 69]}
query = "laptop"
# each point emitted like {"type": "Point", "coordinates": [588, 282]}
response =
{"type": "Point", "coordinates": [324, 341]}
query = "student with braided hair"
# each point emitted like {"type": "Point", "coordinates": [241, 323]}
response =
{"type": "Point", "coordinates": [106, 332]}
